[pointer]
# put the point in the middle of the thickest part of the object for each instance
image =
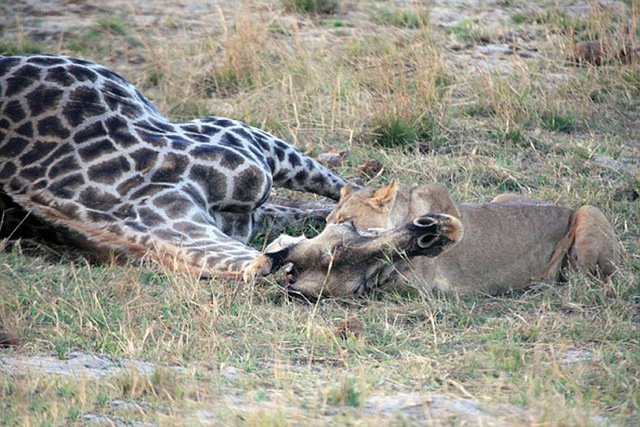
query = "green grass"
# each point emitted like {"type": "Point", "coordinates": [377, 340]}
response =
{"type": "Point", "coordinates": [20, 46]}
{"type": "Point", "coordinates": [518, 18]}
{"type": "Point", "coordinates": [487, 346]}
{"type": "Point", "coordinates": [402, 19]}
{"type": "Point", "coordinates": [85, 42]}
{"type": "Point", "coordinates": [561, 21]}
{"type": "Point", "coordinates": [112, 24]}
{"type": "Point", "coordinates": [555, 122]}
{"type": "Point", "coordinates": [388, 89]}
{"type": "Point", "coordinates": [603, 24]}
{"type": "Point", "coordinates": [398, 132]}
{"type": "Point", "coordinates": [346, 394]}
{"type": "Point", "coordinates": [311, 6]}
{"type": "Point", "coordinates": [465, 30]}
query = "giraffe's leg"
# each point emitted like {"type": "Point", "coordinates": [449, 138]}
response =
{"type": "Point", "coordinates": [267, 218]}
{"type": "Point", "coordinates": [201, 249]}
{"type": "Point", "coordinates": [199, 237]}
{"type": "Point", "coordinates": [276, 218]}
{"type": "Point", "coordinates": [309, 176]}
{"type": "Point", "coordinates": [237, 225]}
{"type": "Point", "coordinates": [294, 170]}
{"type": "Point", "coordinates": [181, 236]}
{"type": "Point", "coordinates": [301, 204]}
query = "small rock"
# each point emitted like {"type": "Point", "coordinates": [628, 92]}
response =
{"type": "Point", "coordinates": [127, 405]}
{"type": "Point", "coordinates": [76, 364]}
{"type": "Point", "coordinates": [524, 53]}
{"type": "Point", "coordinates": [9, 339]}
{"type": "Point", "coordinates": [595, 52]}
{"type": "Point", "coordinates": [370, 168]}
{"type": "Point", "coordinates": [231, 373]}
{"type": "Point", "coordinates": [428, 408]}
{"type": "Point", "coordinates": [456, 47]}
{"type": "Point", "coordinates": [491, 49]}
{"type": "Point", "coordinates": [205, 417]}
{"type": "Point", "coordinates": [332, 158]}
{"type": "Point", "coordinates": [575, 356]}
{"type": "Point", "coordinates": [627, 166]}
{"type": "Point", "coordinates": [352, 326]}
{"type": "Point", "coordinates": [137, 59]}
{"type": "Point", "coordinates": [101, 420]}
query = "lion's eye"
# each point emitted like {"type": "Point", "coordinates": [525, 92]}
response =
{"type": "Point", "coordinates": [346, 218]}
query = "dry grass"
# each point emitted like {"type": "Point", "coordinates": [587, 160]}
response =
{"type": "Point", "coordinates": [382, 82]}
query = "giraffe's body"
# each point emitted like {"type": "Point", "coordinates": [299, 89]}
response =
{"type": "Point", "coordinates": [83, 151]}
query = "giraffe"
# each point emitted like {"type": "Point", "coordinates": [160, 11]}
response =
{"type": "Point", "coordinates": [85, 154]}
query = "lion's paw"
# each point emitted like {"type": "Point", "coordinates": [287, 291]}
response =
{"type": "Point", "coordinates": [436, 226]}
{"type": "Point", "coordinates": [452, 228]}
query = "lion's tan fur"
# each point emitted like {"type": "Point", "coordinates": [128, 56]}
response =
{"type": "Point", "coordinates": [508, 244]}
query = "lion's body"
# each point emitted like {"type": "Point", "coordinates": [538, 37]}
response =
{"type": "Point", "coordinates": [508, 244]}
{"type": "Point", "coordinates": [487, 261]}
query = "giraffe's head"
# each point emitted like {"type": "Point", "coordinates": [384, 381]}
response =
{"type": "Point", "coordinates": [343, 261]}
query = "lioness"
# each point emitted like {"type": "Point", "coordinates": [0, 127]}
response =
{"type": "Point", "coordinates": [507, 244]}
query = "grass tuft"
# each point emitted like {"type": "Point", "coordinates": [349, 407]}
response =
{"type": "Point", "coordinates": [20, 46]}
{"type": "Point", "coordinates": [555, 122]}
{"type": "Point", "coordinates": [395, 131]}
{"type": "Point", "coordinates": [345, 394]}
{"type": "Point", "coordinates": [466, 30]}
{"type": "Point", "coordinates": [402, 19]}
{"type": "Point", "coordinates": [519, 18]}
{"type": "Point", "coordinates": [311, 6]}
{"type": "Point", "coordinates": [112, 24]}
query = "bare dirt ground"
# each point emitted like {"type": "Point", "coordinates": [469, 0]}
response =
{"type": "Point", "coordinates": [411, 406]}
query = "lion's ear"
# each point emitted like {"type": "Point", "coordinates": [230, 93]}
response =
{"type": "Point", "coordinates": [345, 191]}
{"type": "Point", "coordinates": [384, 195]}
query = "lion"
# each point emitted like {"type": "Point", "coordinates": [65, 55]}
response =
{"type": "Point", "coordinates": [505, 245]}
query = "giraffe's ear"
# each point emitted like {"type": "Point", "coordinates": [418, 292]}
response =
{"type": "Point", "coordinates": [345, 191]}
{"type": "Point", "coordinates": [384, 195]}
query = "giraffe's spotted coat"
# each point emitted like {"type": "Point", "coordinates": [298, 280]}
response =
{"type": "Point", "coordinates": [83, 152]}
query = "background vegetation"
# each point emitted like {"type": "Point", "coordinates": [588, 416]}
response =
{"type": "Point", "coordinates": [480, 96]}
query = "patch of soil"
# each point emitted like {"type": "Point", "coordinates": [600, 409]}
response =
{"type": "Point", "coordinates": [76, 364]}
{"type": "Point", "coordinates": [438, 407]}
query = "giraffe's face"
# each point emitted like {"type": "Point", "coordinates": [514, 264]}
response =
{"type": "Point", "coordinates": [343, 261]}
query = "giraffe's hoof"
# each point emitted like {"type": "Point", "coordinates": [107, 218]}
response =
{"type": "Point", "coordinates": [259, 267]}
